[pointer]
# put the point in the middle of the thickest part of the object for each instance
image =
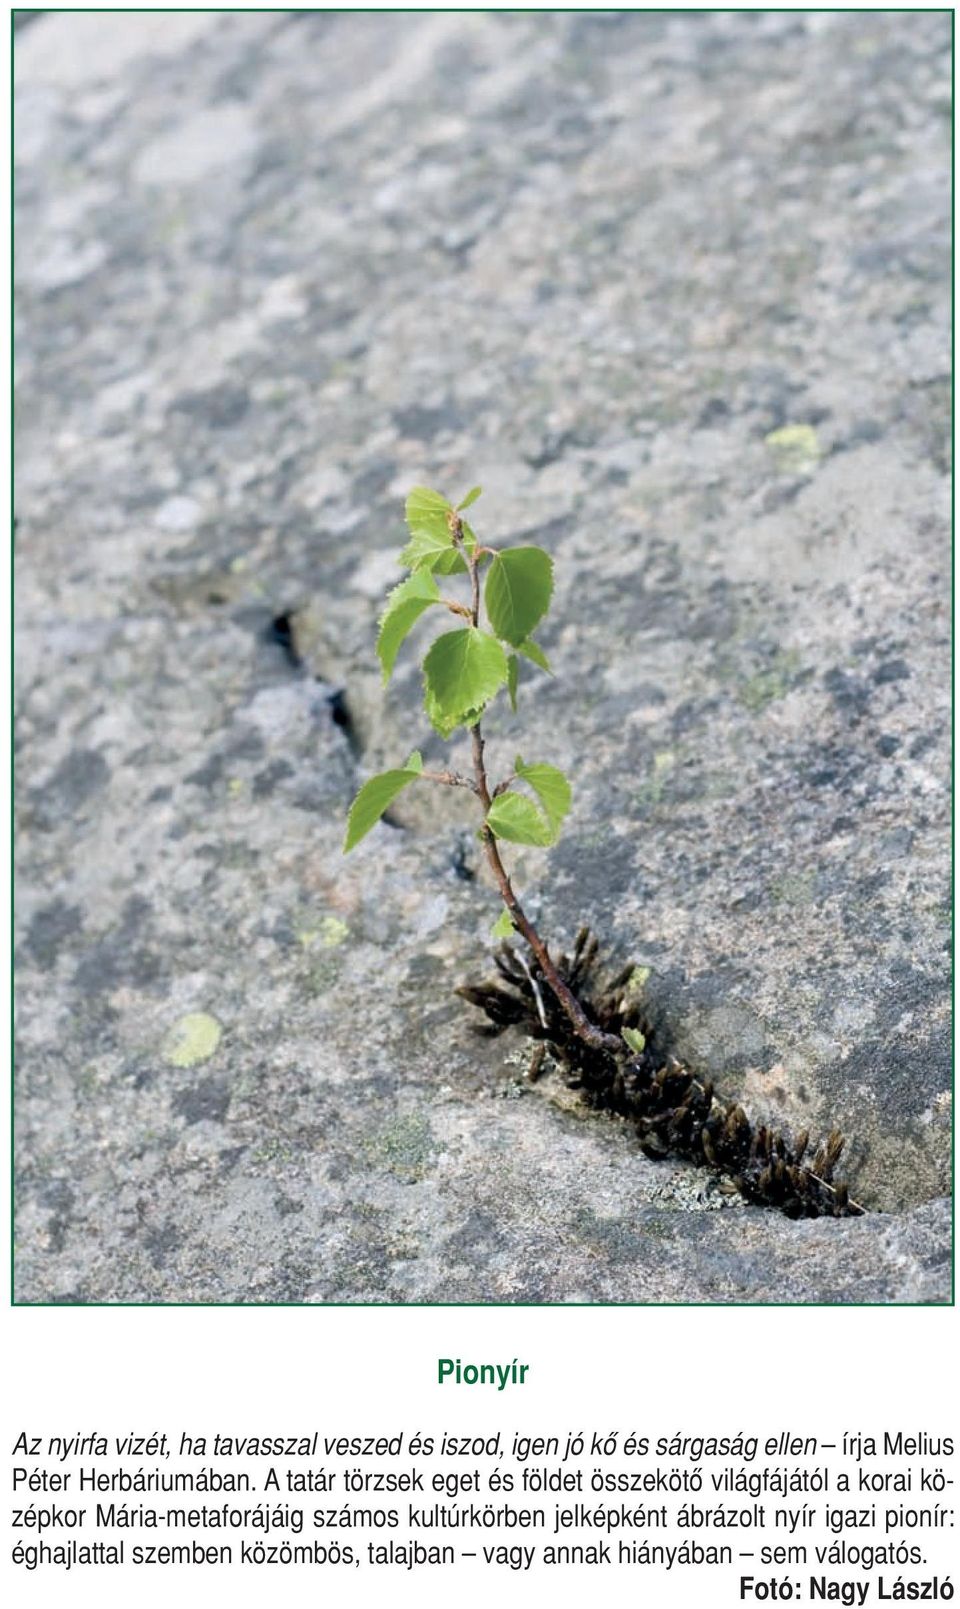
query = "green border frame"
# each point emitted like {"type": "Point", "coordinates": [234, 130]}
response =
{"type": "Point", "coordinates": [23, 17]}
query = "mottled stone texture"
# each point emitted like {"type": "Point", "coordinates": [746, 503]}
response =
{"type": "Point", "coordinates": [674, 288]}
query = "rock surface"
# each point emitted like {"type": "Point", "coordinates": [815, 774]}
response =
{"type": "Point", "coordinates": [674, 288]}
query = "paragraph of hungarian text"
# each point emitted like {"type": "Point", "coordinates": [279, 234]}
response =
{"type": "Point", "coordinates": [849, 1516]}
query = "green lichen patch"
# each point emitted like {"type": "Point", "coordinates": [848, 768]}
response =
{"type": "Point", "coordinates": [652, 791]}
{"type": "Point", "coordinates": [768, 685]}
{"type": "Point", "coordinates": [192, 1040]}
{"type": "Point", "coordinates": [404, 1147]}
{"type": "Point", "coordinates": [794, 888]}
{"type": "Point", "coordinates": [321, 975]}
{"type": "Point", "coordinates": [796, 449]}
{"type": "Point", "coordinates": [327, 934]}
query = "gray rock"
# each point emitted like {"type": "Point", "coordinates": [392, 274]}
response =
{"type": "Point", "coordinates": [674, 288]}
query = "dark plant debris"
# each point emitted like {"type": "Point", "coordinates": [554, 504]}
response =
{"type": "Point", "coordinates": [675, 1111]}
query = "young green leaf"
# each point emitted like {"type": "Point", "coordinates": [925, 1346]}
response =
{"type": "Point", "coordinates": [551, 788]}
{"type": "Point", "coordinates": [405, 604]}
{"type": "Point", "coordinates": [513, 816]}
{"type": "Point", "coordinates": [446, 725]}
{"type": "Point", "coordinates": [449, 562]}
{"type": "Point", "coordinates": [424, 551]}
{"type": "Point", "coordinates": [633, 1038]}
{"type": "Point", "coordinates": [532, 650]}
{"type": "Point", "coordinates": [513, 678]}
{"type": "Point", "coordinates": [462, 671]}
{"type": "Point", "coordinates": [428, 511]}
{"type": "Point", "coordinates": [503, 927]}
{"type": "Point", "coordinates": [375, 797]}
{"type": "Point", "coordinates": [471, 497]}
{"type": "Point", "coordinates": [428, 518]}
{"type": "Point", "coordinates": [517, 593]}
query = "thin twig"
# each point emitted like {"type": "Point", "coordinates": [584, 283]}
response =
{"type": "Point", "coordinates": [450, 779]}
{"type": "Point", "coordinates": [856, 1205]}
{"type": "Point", "coordinates": [535, 987]}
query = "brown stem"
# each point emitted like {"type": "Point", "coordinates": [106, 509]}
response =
{"type": "Point", "coordinates": [581, 1023]}
{"type": "Point", "coordinates": [474, 588]}
{"type": "Point", "coordinates": [451, 779]}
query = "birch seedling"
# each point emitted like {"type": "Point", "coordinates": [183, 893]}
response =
{"type": "Point", "coordinates": [464, 671]}
{"type": "Point", "coordinates": [601, 1038]}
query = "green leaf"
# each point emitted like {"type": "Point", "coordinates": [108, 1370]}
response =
{"type": "Point", "coordinates": [428, 518]}
{"type": "Point", "coordinates": [471, 497]}
{"type": "Point", "coordinates": [513, 816]}
{"type": "Point", "coordinates": [450, 562]}
{"type": "Point", "coordinates": [375, 797]}
{"type": "Point", "coordinates": [405, 604]}
{"type": "Point", "coordinates": [532, 650]}
{"type": "Point", "coordinates": [503, 927]}
{"type": "Point", "coordinates": [634, 1038]}
{"type": "Point", "coordinates": [551, 788]}
{"type": "Point", "coordinates": [517, 592]}
{"type": "Point", "coordinates": [444, 724]}
{"type": "Point", "coordinates": [428, 511]}
{"type": "Point", "coordinates": [424, 550]}
{"type": "Point", "coordinates": [517, 818]}
{"type": "Point", "coordinates": [462, 671]}
{"type": "Point", "coordinates": [513, 678]}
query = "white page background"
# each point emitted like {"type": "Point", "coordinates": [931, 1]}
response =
{"type": "Point", "coordinates": [363, 1371]}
